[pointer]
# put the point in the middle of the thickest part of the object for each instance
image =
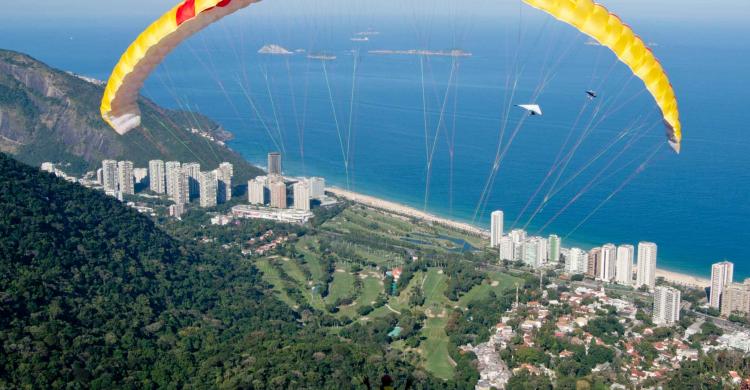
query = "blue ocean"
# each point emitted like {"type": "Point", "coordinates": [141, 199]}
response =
{"type": "Point", "coordinates": [442, 133]}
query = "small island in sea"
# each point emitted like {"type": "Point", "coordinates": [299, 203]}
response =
{"type": "Point", "coordinates": [321, 56]}
{"type": "Point", "coordinates": [274, 50]}
{"type": "Point", "coordinates": [418, 52]}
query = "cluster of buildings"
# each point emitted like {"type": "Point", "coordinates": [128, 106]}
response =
{"type": "Point", "coordinates": [585, 305]}
{"type": "Point", "coordinates": [274, 189]}
{"type": "Point", "coordinates": [182, 182]}
{"type": "Point", "coordinates": [534, 251]}
{"type": "Point", "coordinates": [609, 263]}
{"type": "Point", "coordinates": [726, 295]}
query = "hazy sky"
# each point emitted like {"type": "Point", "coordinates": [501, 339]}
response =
{"type": "Point", "coordinates": [708, 11]}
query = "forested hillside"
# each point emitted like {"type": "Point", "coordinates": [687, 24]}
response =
{"type": "Point", "coordinates": [93, 295]}
{"type": "Point", "coordinates": [50, 115]}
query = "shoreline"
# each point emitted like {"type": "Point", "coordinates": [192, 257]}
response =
{"type": "Point", "coordinates": [401, 209]}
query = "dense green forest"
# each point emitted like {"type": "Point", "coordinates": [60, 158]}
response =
{"type": "Point", "coordinates": [94, 295]}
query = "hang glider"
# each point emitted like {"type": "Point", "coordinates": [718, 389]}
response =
{"type": "Point", "coordinates": [532, 109]}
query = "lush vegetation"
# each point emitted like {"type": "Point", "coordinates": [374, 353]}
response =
{"type": "Point", "coordinates": [95, 296]}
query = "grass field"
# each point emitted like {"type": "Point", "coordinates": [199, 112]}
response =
{"type": "Point", "coordinates": [271, 276]}
{"type": "Point", "coordinates": [434, 349]}
{"type": "Point", "coordinates": [501, 281]}
{"type": "Point", "coordinates": [433, 283]}
{"type": "Point", "coordinates": [342, 286]}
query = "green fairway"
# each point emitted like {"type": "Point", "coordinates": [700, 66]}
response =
{"type": "Point", "coordinates": [500, 282]}
{"type": "Point", "coordinates": [371, 288]}
{"type": "Point", "coordinates": [271, 276]}
{"type": "Point", "coordinates": [433, 289]}
{"type": "Point", "coordinates": [342, 286]}
{"type": "Point", "coordinates": [435, 349]}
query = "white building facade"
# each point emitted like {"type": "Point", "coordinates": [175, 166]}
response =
{"type": "Point", "coordinates": [667, 302]}
{"type": "Point", "coordinates": [496, 229]}
{"type": "Point", "coordinates": [624, 267]}
{"type": "Point", "coordinates": [722, 275]}
{"type": "Point", "coordinates": [646, 268]}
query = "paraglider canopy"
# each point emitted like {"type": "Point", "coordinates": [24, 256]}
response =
{"type": "Point", "coordinates": [533, 109]}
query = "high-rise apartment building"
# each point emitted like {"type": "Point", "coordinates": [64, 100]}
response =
{"type": "Point", "coordinates": [608, 265]}
{"type": "Point", "coordinates": [208, 189]}
{"type": "Point", "coordinates": [506, 248]}
{"type": "Point", "coordinates": [274, 163]}
{"type": "Point", "coordinates": [193, 171]}
{"type": "Point", "coordinates": [181, 191]}
{"type": "Point", "coordinates": [624, 266]}
{"type": "Point", "coordinates": [109, 175]}
{"type": "Point", "coordinates": [496, 228]}
{"type": "Point", "coordinates": [535, 251]}
{"type": "Point", "coordinates": [667, 302]}
{"type": "Point", "coordinates": [317, 187]}
{"type": "Point", "coordinates": [256, 191]}
{"type": "Point", "coordinates": [224, 175]}
{"type": "Point", "coordinates": [594, 262]}
{"type": "Point", "coordinates": [157, 176]}
{"type": "Point", "coordinates": [173, 169]}
{"type": "Point", "coordinates": [302, 196]}
{"type": "Point", "coordinates": [736, 299]}
{"type": "Point", "coordinates": [577, 261]}
{"type": "Point", "coordinates": [722, 275]}
{"type": "Point", "coordinates": [646, 268]}
{"type": "Point", "coordinates": [125, 179]}
{"type": "Point", "coordinates": [278, 194]}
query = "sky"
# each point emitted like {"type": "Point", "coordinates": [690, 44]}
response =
{"type": "Point", "coordinates": [713, 11]}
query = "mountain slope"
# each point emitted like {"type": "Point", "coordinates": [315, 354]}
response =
{"type": "Point", "coordinates": [93, 295]}
{"type": "Point", "coordinates": [50, 115]}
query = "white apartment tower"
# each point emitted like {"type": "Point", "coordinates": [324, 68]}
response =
{"type": "Point", "coordinates": [722, 275]}
{"type": "Point", "coordinates": [125, 179]}
{"type": "Point", "coordinates": [109, 175]}
{"type": "Point", "coordinates": [256, 191]}
{"type": "Point", "coordinates": [208, 189]}
{"type": "Point", "coordinates": [534, 251]}
{"type": "Point", "coordinates": [193, 171]}
{"type": "Point", "coordinates": [608, 263]}
{"type": "Point", "coordinates": [646, 268]}
{"type": "Point", "coordinates": [278, 194]}
{"type": "Point", "coordinates": [181, 192]}
{"type": "Point", "coordinates": [518, 236]}
{"type": "Point", "coordinates": [496, 229]}
{"type": "Point", "coordinates": [302, 196]}
{"type": "Point", "coordinates": [666, 305]}
{"type": "Point", "coordinates": [577, 261]}
{"type": "Point", "coordinates": [317, 187]}
{"type": "Point", "coordinates": [224, 175]}
{"type": "Point", "coordinates": [172, 169]}
{"type": "Point", "coordinates": [506, 248]}
{"type": "Point", "coordinates": [624, 268]}
{"type": "Point", "coordinates": [157, 176]}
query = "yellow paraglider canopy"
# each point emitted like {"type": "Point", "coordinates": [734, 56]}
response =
{"type": "Point", "coordinates": [120, 108]}
{"type": "Point", "coordinates": [606, 28]}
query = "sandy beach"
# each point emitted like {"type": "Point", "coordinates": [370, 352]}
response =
{"type": "Point", "coordinates": [683, 279]}
{"type": "Point", "coordinates": [407, 211]}
{"type": "Point", "coordinates": [397, 208]}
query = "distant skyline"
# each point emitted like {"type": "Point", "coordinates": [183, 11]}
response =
{"type": "Point", "coordinates": [709, 11]}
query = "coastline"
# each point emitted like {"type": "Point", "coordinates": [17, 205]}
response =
{"type": "Point", "coordinates": [401, 209]}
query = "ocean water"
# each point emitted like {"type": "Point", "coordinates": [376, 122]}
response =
{"type": "Point", "coordinates": [622, 185]}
